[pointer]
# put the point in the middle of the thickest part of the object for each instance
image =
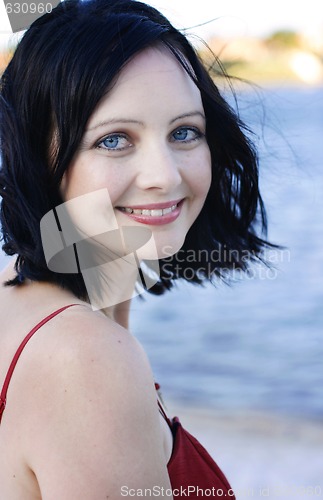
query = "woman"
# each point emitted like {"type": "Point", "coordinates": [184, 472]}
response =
{"type": "Point", "coordinates": [118, 152]}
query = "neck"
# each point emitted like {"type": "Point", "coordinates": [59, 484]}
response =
{"type": "Point", "coordinates": [119, 313]}
{"type": "Point", "coordinates": [110, 288]}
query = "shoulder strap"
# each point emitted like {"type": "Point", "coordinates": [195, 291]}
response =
{"type": "Point", "coordinates": [3, 396]}
{"type": "Point", "coordinates": [160, 405]}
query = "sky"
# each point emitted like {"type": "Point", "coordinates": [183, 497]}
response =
{"type": "Point", "coordinates": [233, 17]}
{"type": "Point", "coordinates": [244, 17]}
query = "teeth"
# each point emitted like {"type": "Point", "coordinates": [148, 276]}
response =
{"type": "Point", "coordinates": [149, 213]}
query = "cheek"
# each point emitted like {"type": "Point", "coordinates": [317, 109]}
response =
{"type": "Point", "coordinates": [207, 172]}
{"type": "Point", "coordinates": [88, 176]}
{"type": "Point", "coordinates": [201, 174]}
{"type": "Point", "coordinates": [75, 182]}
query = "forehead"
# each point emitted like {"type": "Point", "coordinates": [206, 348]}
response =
{"type": "Point", "coordinates": [152, 82]}
{"type": "Point", "coordinates": [153, 61]}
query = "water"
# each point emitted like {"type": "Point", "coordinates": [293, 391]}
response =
{"type": "Point", "coordinates": [256, 346]}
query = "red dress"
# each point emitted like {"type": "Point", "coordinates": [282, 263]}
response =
{"type": "Point", "coordinates": [192, 471]}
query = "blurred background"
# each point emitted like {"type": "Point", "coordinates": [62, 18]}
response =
{"type": "Point", "coordinates": [242, 365]}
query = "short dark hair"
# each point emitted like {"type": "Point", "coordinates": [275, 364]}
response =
{"type": "Point", "coordinates": [62, 67]}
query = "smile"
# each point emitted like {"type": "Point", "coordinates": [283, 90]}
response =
{"type": "Point", "coordinates": [150, 213]}
{"type": "Point", "coordinates": [154, 214]}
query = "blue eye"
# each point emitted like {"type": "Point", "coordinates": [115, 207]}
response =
{"type": "Point", "coordinates": [186, 134]}
{"type": "Point", "coordinates": [114, 142]}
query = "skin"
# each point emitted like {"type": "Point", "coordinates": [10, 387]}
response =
{"type": "Point", "coordinates": [82, 419]}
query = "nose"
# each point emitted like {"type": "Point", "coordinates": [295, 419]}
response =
{"type": "Point", "coordinates": [159, 168]}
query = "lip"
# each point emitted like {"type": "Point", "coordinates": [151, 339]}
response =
{"type": "Point", "coordinates": [155, 220]}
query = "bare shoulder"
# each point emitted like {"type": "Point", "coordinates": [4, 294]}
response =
{"type": "Point", "coordinates": [92, 405]}
{"type": "Point", "coordinates": [80, 338]}
{"type": "Point", "coordinates": [99, 353]}
{"type": "Point", "coordinates": [84, 351]}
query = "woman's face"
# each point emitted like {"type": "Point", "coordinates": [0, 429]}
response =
{"type": "Point", "coordinates": [145, 144]}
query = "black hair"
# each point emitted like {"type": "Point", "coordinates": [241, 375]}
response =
{"type": "Point", "coordinates": [60, 70]}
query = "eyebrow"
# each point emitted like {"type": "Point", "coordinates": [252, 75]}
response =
{"type": "Point", "coordinates": [114, 120]}
{"type": "Point", "coordinates": [188, 115]}
{"type": "Point", "coordinates": [138, 122]}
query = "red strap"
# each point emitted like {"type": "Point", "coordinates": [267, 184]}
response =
{"type": "Point", "coordinates": [3, 396]}
{"type": "Point", "coordinates": [162, 411]}
{"type": "Point", "coordinates": [160, 406]}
